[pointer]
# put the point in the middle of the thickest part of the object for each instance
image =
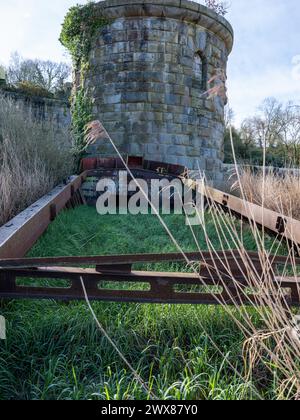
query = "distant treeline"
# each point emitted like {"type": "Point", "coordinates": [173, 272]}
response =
{"type": "Point", "coordinates": [46, 79]}
{"type": "Point", "coordinates": [273, 132]}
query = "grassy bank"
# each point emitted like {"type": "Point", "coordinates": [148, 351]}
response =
{"type": "Point", "coordinates": [54, 350]}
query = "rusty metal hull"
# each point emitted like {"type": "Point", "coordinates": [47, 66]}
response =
{"type": "Point", "coordinates": [228, 271]}
{"type": "Point", "coordinates": [133, 162]}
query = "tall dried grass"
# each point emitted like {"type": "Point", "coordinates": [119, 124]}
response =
{"type": "Point", "coordinates": [280, 193]}
{"type": "Point", "coordinates": [270, 328]}
{"type": "Point", "coordinates": [34, 157]}
{"type": "Point", "coordinates": [271, 334]}
{"type": "Point", "coordinates": [272, 345]}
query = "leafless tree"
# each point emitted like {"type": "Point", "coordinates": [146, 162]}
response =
{"type": "Point", "coordinates": [276, 125]}
{"type": "Point", "coordinates": [48, 75]}
{"type": "Point", "coordinates": [220, 7]}
{"type": "Point", "coordinates": [290, 133]}
{"type": "Point", "coordinates": [228, 116]}
{"type": "Point", "coordinates": [271, 112]}
{"type": "Point", "coordinates": [248, 133]}
{"type": "Point", "coordinates": [266, 127]}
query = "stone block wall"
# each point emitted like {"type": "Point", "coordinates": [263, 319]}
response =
{"type": "Point", "coordinates": [54, 111]}
{"type": "Point", "coordinates": [148, 71]}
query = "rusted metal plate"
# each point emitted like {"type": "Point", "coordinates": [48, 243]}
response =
{"type": "Point", "coordinates": [88, 164]}
{"type": "Point", "coordinates": [19, 235]}
{"type": "Point", "coordinates": [225, 271]}
{"type": "Point", "coordinates": [161, 287]}
{"type": "Point", "coordinates": [213, 259]}
{"type": "Point", "coordinates": [133, 162]}
{"type": "Point", "coordinates": [274, 222]}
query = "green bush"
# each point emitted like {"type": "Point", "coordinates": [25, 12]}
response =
{"type": "Point", "coordinates": [78, 29]}
{"type": "Point", "coordinates": [33, 90]}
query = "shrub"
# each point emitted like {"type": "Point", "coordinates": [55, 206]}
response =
{"type": "Point", "coordinates": [31, 89]}
{"type": "Point", "coordinates": [78, 29]}
{"type": "Point", "coordinates": [34, 157]}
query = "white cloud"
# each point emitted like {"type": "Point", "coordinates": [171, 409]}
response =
{"type": "Point", "coordinates": [260, 66]}
{"type": "Point", "coordinates": [32, 27]}
{"type": "Point", "coordinates": [296, 68]}
{"type": "Point", "coordinates": [247, 93]}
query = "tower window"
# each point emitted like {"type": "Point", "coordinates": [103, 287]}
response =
{"type": "Point", "coordinates": [200, 70]}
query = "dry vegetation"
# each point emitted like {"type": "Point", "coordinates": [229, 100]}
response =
{"type": "Point", "coordinates": [33, 159]}
{"type": "Point", "coordinates": [247, 352]}
{"type": "Point", "coordinates": [280, 193]}
{"type": "Point", "coordinates": [271, 348]}
{"type": "Point", "coordinates": [272, 345]}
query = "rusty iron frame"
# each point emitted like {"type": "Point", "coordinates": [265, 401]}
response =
{"type": "Point", "coordinates": [273, 222]}
{"type": "Point", "coordinates": [214, 270]}
{"type": "Point", "coordinates": [230, 256]}
{"type": "Point", "coordinates": [133, 162]}
{"type": "Point", "coordinates": [19, 235]}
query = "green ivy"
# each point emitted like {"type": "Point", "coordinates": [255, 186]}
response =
{"type": "Point", "coordinates": [78, 30]}
{"type": "Point", "coordinates": [82, 114]}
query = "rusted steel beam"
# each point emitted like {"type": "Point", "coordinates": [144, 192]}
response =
{"type": "Point", "coordinates": [272, 221]}
{"type": "Point", "coordinates": [162, 287]}
{"type": "Point", "coordinates": [228, 257]}
{"type": "Point", "coordinates": [133, 162]}
{"type": "Point", "coordinates": [20, 234]}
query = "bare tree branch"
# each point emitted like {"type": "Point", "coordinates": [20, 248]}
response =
{"type": "Point", "coordinates": [47, 75]}
{"type": "Point", "coordinates": [220, 7]}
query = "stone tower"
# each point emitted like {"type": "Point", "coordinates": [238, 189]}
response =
{"type": "Point", "coordinates": [148, 70]}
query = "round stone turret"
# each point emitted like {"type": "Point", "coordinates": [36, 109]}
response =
{"type": "Point", "coordinates": [148, 72]}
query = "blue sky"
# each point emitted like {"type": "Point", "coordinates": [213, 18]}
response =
{"type": "Point", "coordinates": [265, 60]}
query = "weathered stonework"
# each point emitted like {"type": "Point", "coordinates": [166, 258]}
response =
{"type": "Point", "coordinates": [148, 70]}
{"type": "Point", "coordinates": [53, 111]}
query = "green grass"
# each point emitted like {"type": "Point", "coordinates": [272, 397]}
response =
{"type": "Point", "coordinates": [54, 350]}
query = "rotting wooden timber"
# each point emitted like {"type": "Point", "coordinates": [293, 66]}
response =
{"type": "Point", "coordinates": [19, 235]}
{"type": "Point", "coordinates": [271, 221]}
